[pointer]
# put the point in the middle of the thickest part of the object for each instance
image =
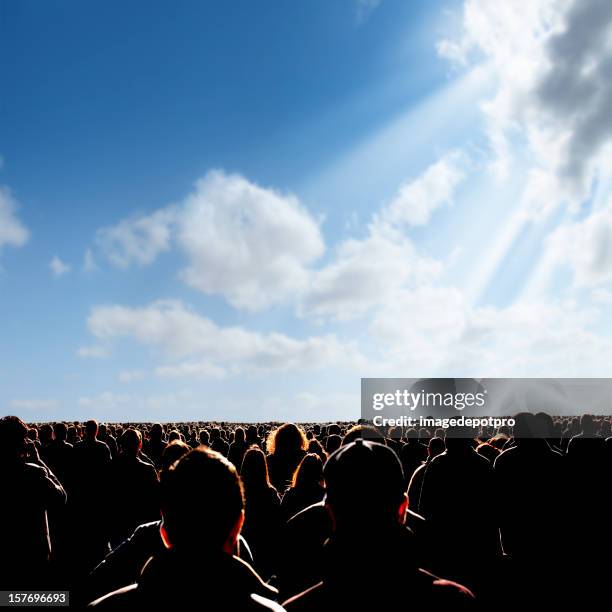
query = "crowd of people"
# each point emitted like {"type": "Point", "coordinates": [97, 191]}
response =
{"type": "Point", "coordinates": [307, 517]}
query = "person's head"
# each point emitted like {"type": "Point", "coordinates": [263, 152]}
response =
{"type": "Point", "coordinates": [288, 439]}
{"type": "Point", "coordinates": [334, 430]}
{"type": "Point", "coordinates": [459, 438]}
{"type": "Point", "coordinates": [412, 434]}
{"type": "Point", "coordinates": [175, 434]}
{"type": "Point", "coordinates": [524, 426]}
{"type": "Point", "coordinates": [364, 484]}
{"type": "Point", "coordinates": [13, 434]}
{"type": "Point", "coordinates": [254, 469]}
{"type": "Point", "coordinates": [365, 432]}
{"type": "Point", "coordinates": [435, 447]}
{"type": "Point", "coordinates": [332, 443]}
{"type": "Point", "coordinates": [239, 436]}
{"type": "Point", "coordinates": [202, 503]}
{"type": "Point", "coordinates": [46, 434]}
{"type": "Point", "coordinates": [73, 435]}
{"type": "Point", "coordinates": [544, 425]}
{"type": "Point", "coordinates": [314, 446]}
{"type": "Point", "coordinates": [131, 442]}
{"type": "Point", "coordinates": [91, 429]}
{"type": "Point", "coordinates": [156, 432]}
{"type": "Point", "coordinates": [251, 434]}
{"type": "Point", "coordinates": [102, 431]}
{"type": "Point", "coordinates": [587, 424]}
{"type": "Point", "coordinates": [172, 453]}
{"type": "Point", "coordinates": [61, 431]}
{"type": "Point", "coordinates": [309, 472]}
{"type": "Point", "coordinates": [204, 437]}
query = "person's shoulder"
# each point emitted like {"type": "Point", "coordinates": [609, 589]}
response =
{"type": "Point", "coordinates": [35, 473]}
{"type": "Point", "coordinates": [121, 599]}
{"type": "Point", "coordinates": [310, 599]}
{"type": "Point", "coordinates": [437, 461]}
{"type": "Point", "coordinates": [447, 590]}
{"type": "Point", "coordinates": [506, 456]}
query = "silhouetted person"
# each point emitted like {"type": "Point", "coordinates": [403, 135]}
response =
{"type": "Point", "coordinates": [135, 487]}
{"type": "Point", "coordinates": [531, 507]}
{"type": "Point", "coordinates": [412, 454]}
{"type": "Point", "coordinates": [200, 538]}
{"type": "Point", "coordinates": [30, 490]}
{"type": "Point", "coordinates": [104, 435]}
{"type": "Point", "coordinates": [90, 498]}
{"type": "Point", "coordinates": [262, 512]}
{"type": "Point", "coordinates": [155, 445]}
{"type": "Point", "coordinates": [589, 503]}
{"type": "Point", "coordinates": [286, 448]}
{"type": "Point", "coordinates": [434, 448]}
{"type": "Point", "coordinates": [369, 560]}
{"type": "Point", "coordinates": [217, 443]}
{"type": "Point", "coordinates": [307, 487]}
{"type": "Point", "coordinates": [332, 443]}
{"type": "Point", "coordinates": [457, 501]}
{"type": "Point", "coordinates": [237, 448]}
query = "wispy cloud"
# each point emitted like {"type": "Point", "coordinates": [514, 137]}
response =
{"type": "Point", "coordinates": [58, 267]}
{"type": "Point", "coordinates": [12, 231]}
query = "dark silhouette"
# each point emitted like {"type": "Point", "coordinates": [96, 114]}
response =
{"type": "Point", "coordinates": [286, 448]}
{"type": "Point", "coordinates": [370, 542]}
{"type": "Point", "coordinates": [200, 538]}
{"type": "Point", "coordinates": [307, 487]}
{"type": "Point", "coordinates": [262, 513]}
{"type": "Point", "coordinates": [31, 489]}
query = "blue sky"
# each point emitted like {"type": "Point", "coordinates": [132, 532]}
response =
{"type": "Point", "coordinates": [235, 210]}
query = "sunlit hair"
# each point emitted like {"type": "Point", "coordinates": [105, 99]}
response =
{"type": "Point", "coordinates": [314, 446]}
{"type": "Point", "coordinates": [309, 472]}
{"type": "Point", "coordinates": [254, 470]}
{"type": "Point", "coordinates": [288, 439]}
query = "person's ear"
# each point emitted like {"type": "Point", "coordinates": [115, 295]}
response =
{"type": "Point", "coordinates": [402, 510]}
{"type": "Point", "coordinates": [230, 544]}
{"type": "Point", "coordinates": [164, 536]}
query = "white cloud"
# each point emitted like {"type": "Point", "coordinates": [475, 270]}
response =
{"type": "Point", "coordinates": [553, 61]}
{"type": "Point", "coordinates": [585, 246]}
{"type": "Point", "coordinates": [417, 199]}
{"type": "Point", "coordinates": [12, 231]}
{"type": "Point", "coordinates": [58, 267]}
{"type": "Point", "coordinates": [139, 239]}
{"type": "Point", "coordinates": [366, 273]}
{"type": "Point", "coordinates": [436, 332]}
{"type": "Point", "coordinates": [369, 272]}
{"type": "Point", "coordinates": [179, 332]}
{"type": "Point", "coordinates": [251, 245]}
